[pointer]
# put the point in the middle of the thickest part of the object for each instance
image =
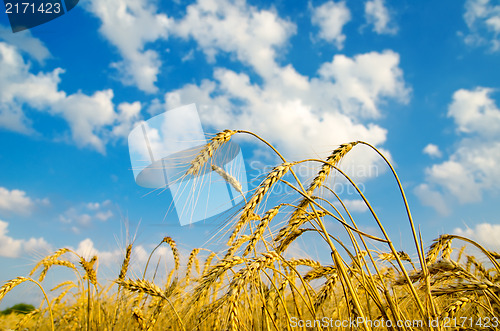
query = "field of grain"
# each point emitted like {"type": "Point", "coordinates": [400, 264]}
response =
{"type": "Point", "coordinates": [252, 285]}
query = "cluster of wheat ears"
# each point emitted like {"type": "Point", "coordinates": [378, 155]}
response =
{"type": "Point", "coordinates": [251, 285]}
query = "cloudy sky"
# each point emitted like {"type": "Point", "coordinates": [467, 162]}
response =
{"type": "Point", "coordinates": [419, 81]}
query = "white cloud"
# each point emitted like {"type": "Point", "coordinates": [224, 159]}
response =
{"type": "Point", "coordinates": [475, 112]}
{"type": "Point", "coordinates": [25, 41]}
{"type": "Point", "coordinates": [377, 14]}
{"type": "Point", "coordinates": [18, 202]}
{"type": "Point", "coordinates": [472, 169]}
{"type": "Point", "coordinates": [91, 118]}
{"type": "Point", "coordinates": [303, 116]}
{"type": "Point", "coordinates": [432, 150]}
{"type": "Point", "coordinates": [483, 20]}
{"type": "Point", "coordinates": [360, 83]}
{"type": "Point", "coordinates": [128, 115]}
{"type": "Point", "coordinates": [486, 234]}
{"type": "Point", "coordinates": [10, 247]}
{"type": "Point", "coordinates": [129, 25]}
{"type": "Point", "coordinates": [353, 205]}
{"type": "Point", "coordinates": [252, 35]}
{"type": "Point", "coordinates": [83, 215]}
{"type": "Point", "coordinates": [331, 18]}
{"type": "Point", "coordinates": [15, 201]}
{"type": "Point", "coordinates": [87, 250]}
{"type": "Point", "coordinates": [432, 198]}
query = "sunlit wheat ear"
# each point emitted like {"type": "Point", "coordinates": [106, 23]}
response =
{"type": "Point", "coordinates": [453, 308]}
{"type": "Point", "coordinates": [126, 262]}
{"type": "Point", "coordinates": [26, 318]}
{"type": "Point", "coordinates": [296, 220]}
{"type": "Point", "coordinates": [139, 318]}
{"type": "Point", "coordinates": [325, 291]}
{"type": "Point", "coordinates": [283, 245]}
{"type": "Point", "coordinates": [229, 178]}
{"type": "Point", "coordinates": [58, 299]}
{"type": "Point", "coordinates": [441, 244]}
{"type": "Point", "coordinates": [175, 251]}
{"type": "Point", "coordinates": [11, 284]}
{"type": "Point", "coordinates": [213, 274]}
{"type": "Point", "coordinates": [390, 256]}
{"type": "Point", "coordinates": [473, 286]}
{"type": "Point", "coordinates": [90, 272]}
{"type": "Point", "coordinates": [440, 266]}
{"type": "Point", "coordinates": [236, 245]}
{"type": "Point", "coordinates": [266, 219]}
{"type": "Point", "coordinates": [208, 151]}
{"type": "Point", "coordinates": [319, 272]}
{"type": "Point", "coordinates": [54, 256]}
{"type": "Point", "coordinates": [331, 160]}
{"type": "Point", "coordinates": [240, 280]}
{"type": "Point", "coordinates": [208, 261]}
{"type": "Point", "coordinates": [480, 269]}
{"type": "Point", "coordinates": [248, 211]}
{"type": "Point", "coordinates": [50, 262]}
{"type": "Point", "coordinates": [192, 258]}
{"type": "Point", "coordinates": [142, 286]}
{"type": "Point", "coordinates": [306, 262]}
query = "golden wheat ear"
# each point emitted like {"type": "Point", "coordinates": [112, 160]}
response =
{"type": "Point", "coordinates": [209, 150]}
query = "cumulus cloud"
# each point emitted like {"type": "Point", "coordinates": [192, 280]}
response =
{"type": "Point", "coordinates": [130, 25]}
{"type": "Point", "coordinates": [432, 198]}
{"type": "Point", "coordinates": [300, 115]}
{"type": "Point", "coordinates": [432, 150]}
{"type": "Point", "coordinates": [486, 234]}
{"type": "Point", "coordinates": [483, 20]}
{"type": "Point", "coordinates": [474, 111]}
{"type": "Point", "coordinates": [85, 214]}
{"type": "Point", "coordinates": [15, 201]}
{"type": "Point", "coordinates": [360, 83]}
{"type": "Point", "coordinates": [331, 17]}
{"type": "Point", "coordinates": [472, 169]}
{"type": "Point", "coordinates": [378, 15]}
{"type": "Point", "coordinates": [92, 119]}
{"type": "Point", "coordinates": [13, 248]}
{"type": "Point", "coordinates": [25, 42]}
{"type": "Point", "coordinates": [252, 35]}
{"type": "Point", "coordinates": [18, 202]}
{"type": "Point", "coordinates": [354, 205]}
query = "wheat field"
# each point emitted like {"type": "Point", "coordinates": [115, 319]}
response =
{"type": "Point", "coordinates": [255, 285]}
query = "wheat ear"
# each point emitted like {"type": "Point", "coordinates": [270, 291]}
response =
{"type": "Point", "coordinates": [209, 150]}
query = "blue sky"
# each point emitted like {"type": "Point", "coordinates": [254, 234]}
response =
{"type": "Point", "coordinates": [420, 81]}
